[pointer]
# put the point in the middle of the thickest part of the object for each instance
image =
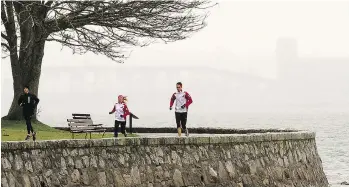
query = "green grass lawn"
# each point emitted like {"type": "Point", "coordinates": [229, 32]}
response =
{"type": "Point", "coordinates": [16, 131]}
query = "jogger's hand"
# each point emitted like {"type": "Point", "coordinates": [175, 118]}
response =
{"type": "Point", "coordinates": [170, 108]}
{"type": "Point", "coordinates": [183, 106]}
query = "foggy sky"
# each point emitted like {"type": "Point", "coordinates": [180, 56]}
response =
{"type": "Point", "coordinates": [240, 37]}
{"type": "Point", "coordinates": [240, 29]}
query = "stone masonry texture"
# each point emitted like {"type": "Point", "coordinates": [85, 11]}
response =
{"type": "Point", "coordinates": [288, 159]}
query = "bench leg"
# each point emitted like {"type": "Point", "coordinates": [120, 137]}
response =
{"type": "Point", "coordinates": [90, 135]}
{"type": "Point", "coordinates": [103, 133]}
{"type": "Point", "coordinates": [86, 135]}
{"type": "Point", "coordinates": [72, 135]}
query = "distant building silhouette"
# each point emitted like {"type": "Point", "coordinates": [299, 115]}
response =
{"type": "Point", "coordinates": [321, 78]}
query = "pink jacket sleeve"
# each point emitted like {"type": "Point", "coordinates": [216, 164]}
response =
{"type": "Point", "coordinates": [189, 99]}
{"type": "Point", "coordinates": [173, 98]}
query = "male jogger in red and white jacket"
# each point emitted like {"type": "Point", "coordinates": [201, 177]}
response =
{"type": "Point", "coordinates": [183, 100]}
{"type": "Point", "coordinates": [121, 111]}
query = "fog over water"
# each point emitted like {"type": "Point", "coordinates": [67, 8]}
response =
{"type": "Point", "coordinates": [257, 64]}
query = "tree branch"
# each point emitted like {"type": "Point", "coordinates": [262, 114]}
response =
{"type": "Point", "coordinates": [48, 3]}
{"type": "Point", "coordinates": [4, 36]}
{"type": "Point", "coordinates": [5, 45]}
{"type": "Point", "coordinates": [8, 21]}
{"type": "Point", "coordinates": [105, 27]}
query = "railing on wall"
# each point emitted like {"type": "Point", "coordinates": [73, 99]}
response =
{"type": "Point", "coordinates": [132, 116]}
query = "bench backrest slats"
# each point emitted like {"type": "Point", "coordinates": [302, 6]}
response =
{"type": "Point", "coordinates": [80, 121]}
{"type": "Point", "coordinates": [81, 127]}
{"type": "Point", "coordinates": [81, 114]}
{"type": "Point", "coordinates": [80, 124]}
{"type": "Point", "coordinates": [81, 117]}
{"type": "Point", "coordinates": [83, 123]}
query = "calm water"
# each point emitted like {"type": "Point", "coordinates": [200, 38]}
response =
{"type": "Point", "coordinates": [332, 131]}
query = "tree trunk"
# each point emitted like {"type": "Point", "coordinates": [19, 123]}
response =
{"type": "Point", "coordinates": [26, 61]}
{"type": "Point", "coordinates": [26, 72]}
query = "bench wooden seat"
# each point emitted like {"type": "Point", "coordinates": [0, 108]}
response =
{"type": "Point", "coordinates": [82, 123]}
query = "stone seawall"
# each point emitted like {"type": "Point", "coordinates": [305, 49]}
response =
{"type": "Point", "coordinates": [199, 130]}
{"type": "Point", "coordinates": [249, 160]}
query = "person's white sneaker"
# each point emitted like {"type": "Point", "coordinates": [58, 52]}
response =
{"type": "Point", "coordinates": [186, 132]}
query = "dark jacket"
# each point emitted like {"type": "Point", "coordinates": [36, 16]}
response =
{"type": "Point", "coordinates": [28, 102]}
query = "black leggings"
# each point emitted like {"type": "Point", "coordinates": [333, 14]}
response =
{"type": "Point", "coordinates": [181, 119]}
{"type": "Point", "coordinates": [116, 127]}
{"type": "Point", "coordinates": [29, 124]}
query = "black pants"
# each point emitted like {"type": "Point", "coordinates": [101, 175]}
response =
{"type": "Point", "coordinates": [29, 124]}
{"type": "Point", "coordinates": [181, 119]}
{"type": "Point", "coordinates": [116, 127]}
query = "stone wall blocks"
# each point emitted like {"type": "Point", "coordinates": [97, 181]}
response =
{"type": "Point", "coordinates": [4, 182]}
{"type": "Point", "coordinates": [171, 141]}
{"type": "Point", "coordinates": [297, 135]}
{"type": "Point", "coordinates": [267, 137]}
{"type": "Point", "coordinates": [264, 159]}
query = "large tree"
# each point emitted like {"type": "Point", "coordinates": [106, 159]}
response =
{"type": "Point", "coordinates": [101, 27]}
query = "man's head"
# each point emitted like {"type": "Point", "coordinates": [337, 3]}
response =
{"type": "Point", "coordinates": [26, 89]}
{"type": "Point", "coordinates": [179, 86]}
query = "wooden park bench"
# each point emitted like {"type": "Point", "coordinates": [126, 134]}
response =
{"type": "Point", "coordinates": [82, 123]}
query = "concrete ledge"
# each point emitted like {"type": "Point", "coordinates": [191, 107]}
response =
{"type": "Point", "coordinates": [135, 141]}
{"type": "Point", "coordinates": [199, 130]}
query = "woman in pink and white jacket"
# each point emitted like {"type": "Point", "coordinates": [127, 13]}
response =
{"type": "Point", "coordinates": [121, 112]}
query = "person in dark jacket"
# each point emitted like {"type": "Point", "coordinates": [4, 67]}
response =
{"type": "Point", "coordinates": [28, 102]}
